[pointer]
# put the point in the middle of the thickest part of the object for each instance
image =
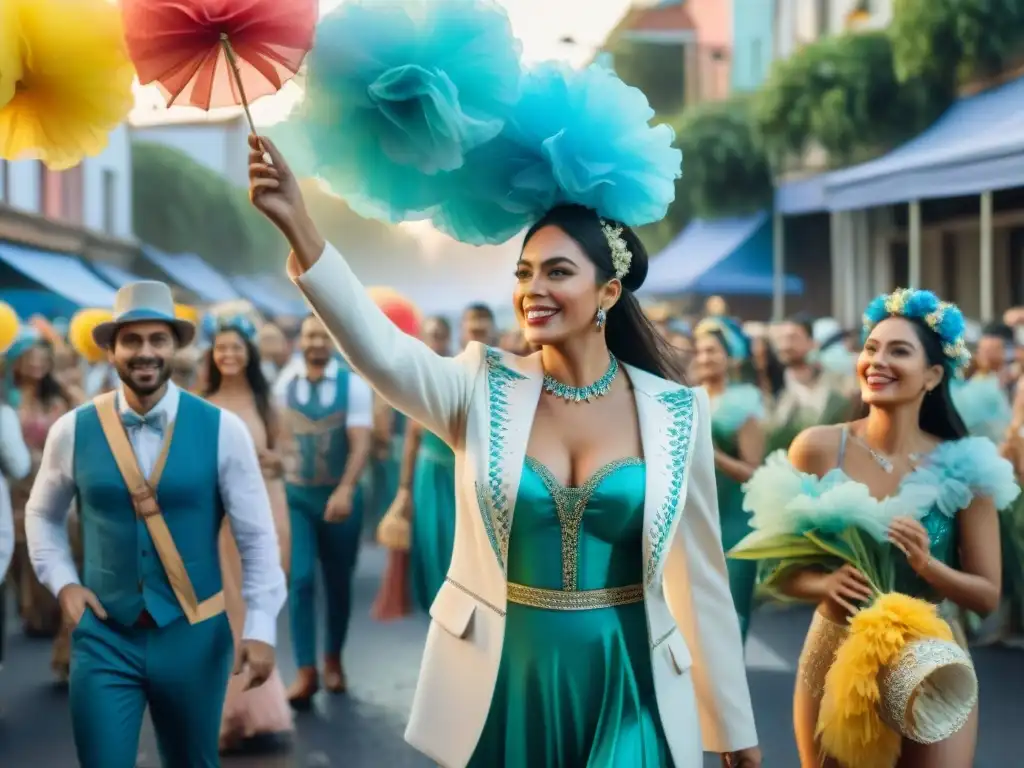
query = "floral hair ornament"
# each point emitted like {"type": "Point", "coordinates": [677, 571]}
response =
{"type": "Point", "coordinates": [942, 318]}
{"type": "Point", "coordinates": [736, 344]}
{"type": "Point", "coordinates": [621, 256]}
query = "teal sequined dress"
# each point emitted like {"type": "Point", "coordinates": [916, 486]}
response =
{"type": "Point", "coordinates": [729, 412]}
{"type": "Point", "coordinates": [433, 518]}
{"type": "Point", "coordinates": [575, 687]}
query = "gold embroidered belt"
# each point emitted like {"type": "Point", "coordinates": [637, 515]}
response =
{"type": "Point", "coordinates": [579, 600]}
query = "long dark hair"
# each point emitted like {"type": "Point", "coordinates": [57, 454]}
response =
{"type": "Point", "coordinates": [630, 335]}
{"type": "Point", "coordinates": [938, 415]}
{"type": "Point", "coordinates": [253, 376]}
{"type": "Point", "coordinates": [49, 390]}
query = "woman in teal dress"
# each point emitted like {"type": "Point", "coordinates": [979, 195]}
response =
{"type": "Point", "coordinates": [737, 412]}
{"type": "Point", "coordinates": [910, 464]}
{"type": "Point", "coordinates": [587, 561]}
{"type": "Point", "coordinates": [426, 493]}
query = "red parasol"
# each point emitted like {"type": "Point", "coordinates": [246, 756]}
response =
{"type": "Point", "coordinates": [399, 309]}
{"type": "Point", "coordinates": [218, 53]}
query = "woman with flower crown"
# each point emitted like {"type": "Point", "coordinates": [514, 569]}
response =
{"type": "Point", "coordinates": [737, 412]}
{"type": "Point", "coordinates": [911, 461]}
{"type": "Point", "coordinates": [585, 619]}
{"type": "Point", "coordinates": [260, 717]}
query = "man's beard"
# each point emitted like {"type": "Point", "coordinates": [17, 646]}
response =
{"type": "Point", "coordinates": [163, 373]}
{"type": "Point", "coordinates": [318, 359]}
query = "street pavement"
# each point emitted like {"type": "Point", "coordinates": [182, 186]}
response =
{"type": "Point", "coordinates": [364, 728]}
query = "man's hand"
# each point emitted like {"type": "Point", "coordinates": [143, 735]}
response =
{"type": "Point", "coordinates": [256, 657]}
{"type": "Point", "coordinates": [339, 505]}
{"type": "Point", "coordinates": [742, 758]}
{"type": "Point", "coordinates": [74, 599]}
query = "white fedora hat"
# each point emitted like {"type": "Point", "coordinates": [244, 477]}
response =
{"type": "Point", "coordinates": [147, 301]}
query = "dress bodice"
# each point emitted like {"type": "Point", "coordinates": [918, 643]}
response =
{"type": "Point", "coordinates": [580, 537]}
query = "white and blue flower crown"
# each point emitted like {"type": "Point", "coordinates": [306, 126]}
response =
{"type": "Point", "coordinates": [942, 317]}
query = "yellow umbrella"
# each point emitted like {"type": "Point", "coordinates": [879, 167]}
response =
{"type": "Point", "coordinates": [80, 333]}
{"type": "Point", "coordinates": [9, 325]}
{"type": "Point", "coordinates": [187, 312]}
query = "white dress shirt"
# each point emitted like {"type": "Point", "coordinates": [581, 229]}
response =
{"type": "Point", "coordinates": [15, 463]}
{"type": "Point", "coordinates": [359, 409]}
{"type": "Point", "coordinates": [242, 492]}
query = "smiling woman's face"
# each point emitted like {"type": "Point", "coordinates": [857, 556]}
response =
{"type": "Point", "coordinates": [557, 295]}
{"type": "Point", "coordinates": [892, 367]}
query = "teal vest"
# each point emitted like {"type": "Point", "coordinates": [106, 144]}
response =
{"type": "Point", "coordinates": [320, 433]}
{"type": "Point", "coordinates": [121, 564]}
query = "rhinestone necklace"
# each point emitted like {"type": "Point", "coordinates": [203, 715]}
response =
{"type": "Point", "coordinates": [884, 461]}
{"type": "Point", "coordinates": [583, 394]}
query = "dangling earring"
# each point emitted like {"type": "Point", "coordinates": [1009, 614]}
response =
{"type": "Point", "coordinates": [601, 318]}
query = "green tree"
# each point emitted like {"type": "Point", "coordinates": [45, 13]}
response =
{"type": "Point", "coordinates": [842, 94]}
{"type": "Point", "coordinates": [657, 69]}
{"type": "Point", "coordinates": [181, 206]}
{"type": "Point", "coordinates": [726, 172]}
{"type": "Point", "coordinates": [949, 41]}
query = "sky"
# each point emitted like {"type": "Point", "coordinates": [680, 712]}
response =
{"type": "Point", "coordinates": [540, 24]}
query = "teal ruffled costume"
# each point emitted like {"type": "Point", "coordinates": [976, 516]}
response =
{"type": "Point", "coordinates": [575, 688]}
{"type": "Point", "coordinates": [945, 483]}
{"type": "Point", "coordinates": [983, 406]}
{"type": "Point", "coordinates": [433, 518]}
{"type": "Point", "coordinates": [730, 411]}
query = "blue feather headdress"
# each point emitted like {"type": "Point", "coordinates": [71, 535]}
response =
{"type": "Point", "coordinates": [943, 318]}
{"type": "Point", "coordinates": [736, 343]}
{"type": "Point", "coordinates": [420, 109]}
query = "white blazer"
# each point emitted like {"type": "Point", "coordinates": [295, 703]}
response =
{"type": "Point", "coordinates": [482, 403]}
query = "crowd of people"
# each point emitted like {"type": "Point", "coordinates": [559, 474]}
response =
{"type": "Point", "coordinates": [767, 384]}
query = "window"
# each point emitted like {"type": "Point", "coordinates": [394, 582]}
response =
{"type": "Point", "coordinates": [5, 181]}
{"type": "Point", "coordinates": [49, 192]}
{"type": "Point", "coordinates": [72, 195]}
{"type": "Point", "coordinates": [755, 62]}
{"type": "Point", "coordinates": [109, 201]}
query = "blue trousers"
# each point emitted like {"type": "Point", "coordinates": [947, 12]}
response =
{"type": "Point", "coordinates": [337, 546]}
{"type": "Point", "coordinates": [181, 671]}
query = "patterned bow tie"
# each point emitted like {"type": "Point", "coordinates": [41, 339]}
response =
{"type": "Point", "coordinates": [155, 421]}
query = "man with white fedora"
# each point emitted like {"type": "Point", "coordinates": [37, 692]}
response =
{"type": "Point", "coordinates": [154, 470]}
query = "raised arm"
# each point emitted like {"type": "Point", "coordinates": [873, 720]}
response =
{"type": "Point", "coordinates": [431, 389]}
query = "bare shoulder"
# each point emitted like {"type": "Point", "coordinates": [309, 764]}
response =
{"type": "Point", "coordinates": [816, 449]}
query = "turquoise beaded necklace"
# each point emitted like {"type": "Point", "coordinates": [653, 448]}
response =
{"type": "Point", "coordinates": [583, 394]}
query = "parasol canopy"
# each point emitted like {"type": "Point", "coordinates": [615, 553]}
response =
{"type": "Point", "coordinates": [218, 53]}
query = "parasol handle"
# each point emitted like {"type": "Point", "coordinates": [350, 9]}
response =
{"type": "Point", "coordinates": [229, 53]}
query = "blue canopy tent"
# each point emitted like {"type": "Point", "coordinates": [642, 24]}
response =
{"type": "Point", "coordinates": [51, 284]}
{"type": "Point", "coordinates": [975, 147]}
{"type": "Point", "coordinates": [728, 256]}
{"type": "Point", "coordinates": [266, 298]}
{"type": "Point", "coordinates": [191, 272]}
{"type": "Point", "coordinates": [114, 274]}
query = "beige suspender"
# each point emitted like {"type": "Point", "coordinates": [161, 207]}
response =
{"type": "Point", "coordinates": [144, 501]}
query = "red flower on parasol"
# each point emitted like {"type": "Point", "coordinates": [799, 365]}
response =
{"type": "Point", "coordinates": [399, 309]}
{"type": "Point", "coordinates": [218, 53]}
